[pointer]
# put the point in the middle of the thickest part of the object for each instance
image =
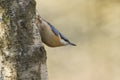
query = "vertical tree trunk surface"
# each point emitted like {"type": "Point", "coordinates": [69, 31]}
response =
{"type": "Point", "coordinates": [22, 55]}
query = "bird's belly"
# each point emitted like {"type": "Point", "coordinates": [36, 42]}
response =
{"type": "Point", "coordinates": [50, 39]}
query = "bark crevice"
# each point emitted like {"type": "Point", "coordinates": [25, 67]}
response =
{"type": "Point", "coordinates": [22, 55]}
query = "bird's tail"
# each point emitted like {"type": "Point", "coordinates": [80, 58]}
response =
{"type": "Point", "coordinates": [72, 44]}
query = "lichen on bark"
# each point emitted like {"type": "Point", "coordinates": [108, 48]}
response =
{"type": "Point", "coordinates": [22, 55]}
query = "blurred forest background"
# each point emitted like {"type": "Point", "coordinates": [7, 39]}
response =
{"type": "Point", "coordinates": [94, 25]}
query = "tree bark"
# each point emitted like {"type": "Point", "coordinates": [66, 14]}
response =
{"type": "Point", "coordinates": [22, 55]}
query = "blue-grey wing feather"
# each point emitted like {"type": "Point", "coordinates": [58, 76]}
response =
{"type": "Point", "coordinates": [63, 37]}
{"type": "Point", "coordinates": [56, 32]}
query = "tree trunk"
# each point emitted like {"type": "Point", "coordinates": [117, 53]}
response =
{"type": "Point", "coordinates": [22, 55]}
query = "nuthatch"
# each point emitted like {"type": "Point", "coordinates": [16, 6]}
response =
{"type": "Point", "coordinates": [51, 36]}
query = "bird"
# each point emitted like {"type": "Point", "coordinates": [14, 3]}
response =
{"type": "Point", "coordinates": [51, 36]}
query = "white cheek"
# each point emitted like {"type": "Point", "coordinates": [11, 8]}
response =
{"type": "Point", "coordinates": [63, 42]}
